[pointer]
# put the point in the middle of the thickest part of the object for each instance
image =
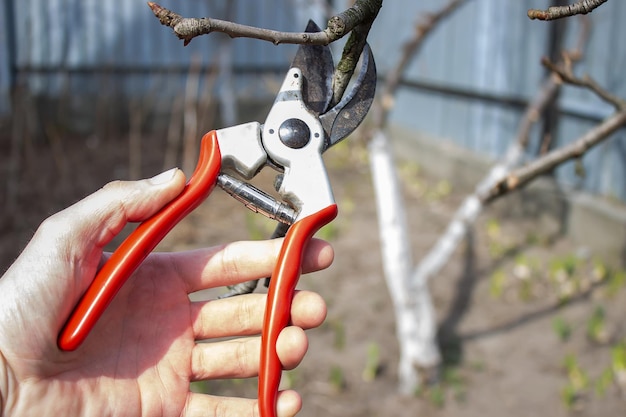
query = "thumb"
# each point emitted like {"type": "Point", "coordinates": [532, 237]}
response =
{"type": "Point", "coordinates": [64, 253]}
{"type": "Point", "coordinates": [98, 218]}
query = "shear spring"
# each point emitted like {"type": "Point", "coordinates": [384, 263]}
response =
{"type": "Point", "coordinates": [256, 200]}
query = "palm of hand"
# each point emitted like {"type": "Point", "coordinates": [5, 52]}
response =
{"type": "Point", "coordinates": [143, 352]}
{"type": "Point", "coordinates": [139, 353]}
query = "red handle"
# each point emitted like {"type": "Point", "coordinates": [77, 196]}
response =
{"type": "Point", "coordinates": [139, 244]}
{"type": "Point", "coordinates": [278, 305]}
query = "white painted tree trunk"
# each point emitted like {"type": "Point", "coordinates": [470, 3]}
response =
{"type": "Point", "coordinates": [416, 323]}
{"type": "Point", "coordinates": [416, 320]}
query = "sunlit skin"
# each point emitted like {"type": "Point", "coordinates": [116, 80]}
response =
{"type": "Point", "coordinates": [143, 353]}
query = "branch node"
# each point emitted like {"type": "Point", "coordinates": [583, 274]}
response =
{"type": "Point", "coordinates": [511, 182]}
{"type": "Point", "coordinates": [336, 27]}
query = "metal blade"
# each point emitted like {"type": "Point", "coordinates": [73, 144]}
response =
{"type": "Point", "coordinates": [342, 119]}
{"type": "Point", "coordinates": [316, 64]}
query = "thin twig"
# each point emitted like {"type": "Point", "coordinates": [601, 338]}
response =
{"type": "Point", "coordinates": [55, 137]}
{"type": "Point", "coordinates": [136, 117]}
{"type": "Point", "coordinates": [558, 12]}
{"type": "Point", "coordinates": [422, 29]}
{"type": "Point", "coordinates": [566, 74]}
{"type": "Point", "coordinates": [18, 133]}
{"type": "Point", "coordinates": [174, 130]}
{"type": "Point", "coordinates": [190, 117]}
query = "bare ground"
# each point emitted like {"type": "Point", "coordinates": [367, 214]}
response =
{"type": "Point", "coordinates": [497, 300]}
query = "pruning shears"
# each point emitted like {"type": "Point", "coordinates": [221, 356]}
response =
{"type": "Point", "coordinates": [299, 127]}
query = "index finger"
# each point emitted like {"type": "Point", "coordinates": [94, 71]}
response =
{"type": "Point", "coordinates": [237, 262]}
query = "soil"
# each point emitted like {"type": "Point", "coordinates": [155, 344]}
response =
{"type": "Point", "coordinates": [497, 300]}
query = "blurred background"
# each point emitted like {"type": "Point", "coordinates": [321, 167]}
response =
{"type": "Point", "coordinates": [95, 67]}
{"type": "Point", "coordinates": [97, 90]}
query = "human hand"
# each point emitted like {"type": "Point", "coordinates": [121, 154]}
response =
{"type": "Point", "coordinates": [144, 351]}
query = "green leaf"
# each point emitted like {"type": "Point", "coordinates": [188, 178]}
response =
{"type": "Point", "coordinates": [562, 329]}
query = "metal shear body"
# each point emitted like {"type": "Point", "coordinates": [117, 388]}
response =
{"type": "Point", "coordinates": [298, 129]}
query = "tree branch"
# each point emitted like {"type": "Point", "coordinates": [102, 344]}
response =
{"type": "Point", "coordinates": [187, 28]}
{"type": "Point", "coordinates": [563, 71]}
{"type": "Point", "coordinates": [546, 163]}
{"type": "Point", "coordinates": [355, 44]}
{"type": "Point", "coordinates": [472, 205]}
{"type": "Point", "coordinates": [357, 20]}
{"type": "Point", "coordinates": [558, 12]}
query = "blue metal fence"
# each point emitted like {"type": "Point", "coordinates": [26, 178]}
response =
{"type": "Point", "coordinates": [84, 38]}
{"type": "Point", "coordinates": [469, 85]}
{"type": "Point", "coordinates": [471, 81]}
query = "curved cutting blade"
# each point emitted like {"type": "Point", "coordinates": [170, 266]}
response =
{"type": "Point", "coordinates": [316, 64]}
{"type": "Point", "coordinates": [342, 119]}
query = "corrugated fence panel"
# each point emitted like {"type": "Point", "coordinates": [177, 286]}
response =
{"type": "Point", "coordinates": [89, 37]}
{"type": "Point", "coordinates": [476, 72]}
{"type": "Point", "coordinates": [469, 84]}
{"type": "Point", "coordinates": [477, 51]}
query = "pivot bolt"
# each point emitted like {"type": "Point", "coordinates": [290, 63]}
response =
{"type": "Point", "coordinates": [294, 133]}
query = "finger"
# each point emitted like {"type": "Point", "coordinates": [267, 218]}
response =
{"type": "Point", "coordinates": [64, 254]}
{"type": "Point", "coordinates": [102, 215]}
{"type": "Point", "coordinates": [239, 358]}
{"type": "Point", "coordinates": [238, 262]}
{"type": "Point", "coordinates": [243, 315]}
{"type": "Point", "coordinates": [288, 404]}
